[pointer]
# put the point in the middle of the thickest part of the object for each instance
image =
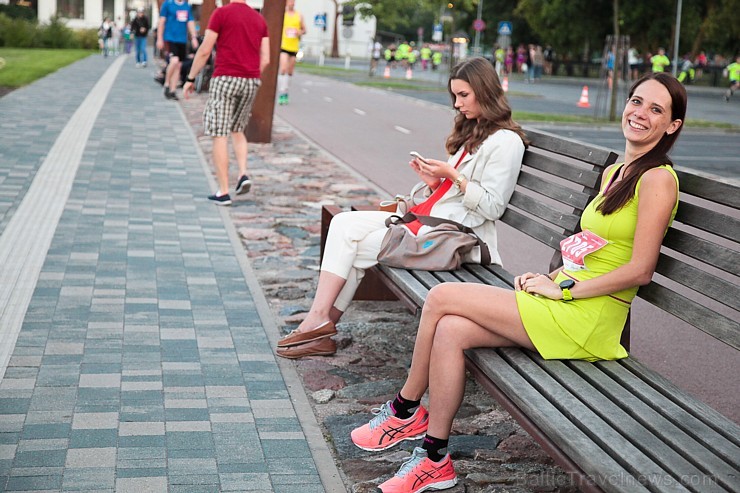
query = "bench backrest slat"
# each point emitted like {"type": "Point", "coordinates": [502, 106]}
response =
{"type": "Point", "coordinates": [564, 220]}
{"type": "Point", "coordinates": [588, 178]}
{"type": "Point", "coordinates": [703, 250]}
{"type": "Point", "coordinates": [564, 195]}
{"type": "Point", "coordinates": [538, 231]}
{"type": "Point", "coordinates": [701, 281]}
{"type": "Point", "coordinates": [709, 221]}
{"type": "Point", "coordinates": [594, 155]}
{"type": "Point", "coordinates": [709, 189]}
{"type": "Point", "coordinates": [701, 317]}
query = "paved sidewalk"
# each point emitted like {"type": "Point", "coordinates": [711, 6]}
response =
{"type": "Point", "coordinates": [135, 342]}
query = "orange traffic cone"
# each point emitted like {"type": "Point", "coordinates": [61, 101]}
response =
{"type": "Point", "coordinates": [505, 84]}
{"type": "Point", "coordinates": [583, 102]}
{"type": "Point", "coordinates": [409, 74]}
{"type": "Point", "coordinates": [387, 72]}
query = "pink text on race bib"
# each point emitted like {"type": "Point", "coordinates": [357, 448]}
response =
{"type": "Point", "coordinates": [575, 248]}
{"type": "Point", "coordinates": [181, 15]}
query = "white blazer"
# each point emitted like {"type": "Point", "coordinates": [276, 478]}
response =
{"type": "Point", "coordinates": [491, 173]}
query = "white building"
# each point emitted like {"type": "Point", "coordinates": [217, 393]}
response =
{"type": "Point", "coordinates": [353, 41]}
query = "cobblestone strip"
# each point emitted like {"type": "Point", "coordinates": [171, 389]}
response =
{"type": "Point", "coordinates": [26, 239]}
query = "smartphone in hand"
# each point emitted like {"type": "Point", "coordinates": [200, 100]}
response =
{"type": "Point", "coordinates": [418, 156]}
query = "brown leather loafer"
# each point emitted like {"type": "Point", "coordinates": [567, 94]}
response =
{"type": "Point", "coordinates": [327, 329]}
{"type": "Point", "coordinates": [320, 347]}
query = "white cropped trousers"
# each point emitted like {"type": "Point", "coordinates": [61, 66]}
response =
{"type": "Point", "coordinates": [352, 246]}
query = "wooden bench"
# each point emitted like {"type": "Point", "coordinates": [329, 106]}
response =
{"type": "Point", "coordinates": [614, 426]}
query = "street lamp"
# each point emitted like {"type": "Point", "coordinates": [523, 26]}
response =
{"type": "Point", "coordinates": [678, 36]}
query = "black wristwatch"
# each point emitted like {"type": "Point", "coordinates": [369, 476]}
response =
{"type": "Point", "coordinates": [565, 286]}
{"type": "Point", "coordinates": [189, 79]}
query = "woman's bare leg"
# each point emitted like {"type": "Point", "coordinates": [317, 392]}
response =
{"type": "Point", "coordinates": [322, 307]}
{"type": "Point", "coordinates": [493, 309]}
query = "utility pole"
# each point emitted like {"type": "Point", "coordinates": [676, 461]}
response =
{"type": "Point", "coordinates": [678, 37]}
{"type": "Point", "coordinates": [616, 70]}
{"type": "Point", "coordinates": [260, 123]}
{"type": "Point", "coordinates": [476, 44]}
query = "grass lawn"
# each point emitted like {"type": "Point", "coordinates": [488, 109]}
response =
{"type": "Point", "coordinates": [23, 66]}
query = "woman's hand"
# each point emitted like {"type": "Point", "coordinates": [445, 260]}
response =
{"type": "Point", "coordinates": [538, 284]}
{"type": "Point", "coordinates": [431, 181]}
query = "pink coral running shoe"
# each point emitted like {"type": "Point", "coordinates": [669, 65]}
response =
{"type": "Point", "coordinates": [420, 473]}
{"type": "Point", "coordinates": [385, 430]}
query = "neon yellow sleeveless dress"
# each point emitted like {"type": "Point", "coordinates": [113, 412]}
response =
{"type": "Point", "coordinates": [588, 328]}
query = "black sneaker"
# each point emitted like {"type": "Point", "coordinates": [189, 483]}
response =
{"type": "Point", "coordinates": [244, 185]}
{"type": "Point", "coordinates": [220, 199]}
{"type": "Point", "coordinates": [170, 95]}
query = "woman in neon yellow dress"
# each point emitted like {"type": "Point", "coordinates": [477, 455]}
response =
{"type": "Point", "coordinates": [576, 312]}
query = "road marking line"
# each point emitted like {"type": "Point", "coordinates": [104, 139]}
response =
{"type": "Point", "coordinates": [328, 99]}
{"type": "Point", "coordinates": [359, 112]}
{"type": "Point", "coordinates": [402, 130]}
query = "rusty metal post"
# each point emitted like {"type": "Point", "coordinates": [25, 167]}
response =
{"type": "Point", "coordinates": [260, 123]}
{"type": "Point", "coordinates": [205, 14]}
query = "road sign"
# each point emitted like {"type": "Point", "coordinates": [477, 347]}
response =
{"type": "Point", "coordinates": [479, 25]}
{"type": "Point", "coordinates": [437, 33]}
{"type": "Point", "coordinates": [319, 20]}
{"type": "Point", "coordinates": [504, 28]}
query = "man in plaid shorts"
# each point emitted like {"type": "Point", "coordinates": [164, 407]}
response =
{"type": "Point", "coordinates": [239, 35]}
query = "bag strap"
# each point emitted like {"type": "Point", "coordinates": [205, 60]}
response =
{"type": "Point", "coordinates": [485, 253]}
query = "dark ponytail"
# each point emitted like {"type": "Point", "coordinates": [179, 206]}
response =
{"type": "Point", "coordinates": [623, 191]}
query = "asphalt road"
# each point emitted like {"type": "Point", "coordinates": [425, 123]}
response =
{"type": "Point", "coordinates": [373, 131]}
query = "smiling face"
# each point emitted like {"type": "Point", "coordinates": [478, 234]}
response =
{"type": "Point", "coordinates": [465, 100]}
{"type": "Point", "coordinates": [647, 116]}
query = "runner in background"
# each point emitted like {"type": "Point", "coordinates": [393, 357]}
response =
{"type": "Point", "coordinates": [733, 72]}
{"type": "Point", "coordinates": [293, 29]}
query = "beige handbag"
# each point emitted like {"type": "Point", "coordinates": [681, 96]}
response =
{"type": "Point", "coordinates": [442, 248]}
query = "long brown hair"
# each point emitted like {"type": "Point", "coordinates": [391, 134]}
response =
{"type": "Point", "coordinates": [623, 191]}
{"type": "Point", "coordinates": [495, 110]}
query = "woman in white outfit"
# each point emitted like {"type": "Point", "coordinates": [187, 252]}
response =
{"type": "Point", "coordinates": [472, 187]}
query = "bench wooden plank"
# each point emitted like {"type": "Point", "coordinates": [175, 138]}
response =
{"type": "Point", "coordinates": [709, 189]}
{"type": "Point", "coordinates": [709, 221]}
{"type": "Point", "coordinates": [709, 285]}
{"type": "Point", "coordinates": [402, 277]}
{"type": "Point", "coordinates": [707, 415]}
{"type": "Point", "coordinates": [701, 317]}
{"type": "Point", "coordinates": [631, 462]}
{"type": "Point", "coordinates": [596, 464]}
{"type": "Point", "coordinates": [485, 275]}
{"type": "Point", "coordinates": [703, 250]}
{"type": "Point", "coordinates": [568, 196]}
{"type": "Point", "coordinates": [696, 428]}
{"type": "Point", "coordinates": [537, 231]}
{"type": "Point", "coordinates": [591, 154]}
{"type": "Point", "coordinates": [588, 178]}
{"type": "Point", "coordinates": [656, 436]}
{"type": "Point", "coordinates": [544, 211]}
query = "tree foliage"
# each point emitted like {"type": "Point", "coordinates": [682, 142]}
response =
{"type": "Point", "coordinates": [575, 26]}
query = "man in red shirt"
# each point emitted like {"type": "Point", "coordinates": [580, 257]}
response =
{"type": "Point", "coordinates": [239, 35]}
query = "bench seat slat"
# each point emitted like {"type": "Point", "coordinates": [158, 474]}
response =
{"type": "Point", "coordinates": [703, 250]}
{"type": "Point", "coordinates": [594, 461]}
{"type": "Point", "coordinates": [701, 317]}
{"type": "Point", "coordinates": [709, 221]}
{"type": "Point", "coordinates": [712, 286]}
{"type": "Point", "coordinates": [577, 174]}
{"type": "Point", "coordinates": [564, 195]}
{"type": "Point", "coordinates": [669, 409]}
{"type": "Point", "coordinates": [595, 155]}
{"type": "Point", "coordinates": [402, 277]}
{"type": "Point", "coordinates": [537, 231]}
{"type": "Point", "coordinates": [632, 461]}
{"type": "Point", "coordinates": [709, 189]}
{"type": "Point", "coordinates": [709, 416]}
{"type": "Point", "coordinates": [544, 211]}
{"type": "Point", "coordinates": [485, 275]}
{"type": "Point", "coordinates": [656, 436]}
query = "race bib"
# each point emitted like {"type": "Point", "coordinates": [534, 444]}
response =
{"type": "Point", "coordinates": [575, 248]}
{"type": "Point", "coordinates": [291, 32]}
{"type": "Point", "coordinates": [181, 15]}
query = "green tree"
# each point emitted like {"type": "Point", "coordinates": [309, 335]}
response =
{"type": "Point", "coordinates": [569, 25]}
